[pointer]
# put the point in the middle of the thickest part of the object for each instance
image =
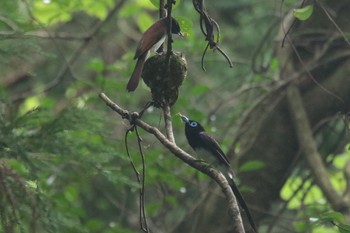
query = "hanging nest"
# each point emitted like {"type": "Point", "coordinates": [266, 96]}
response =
{"type": "Point", "coordinates": [164, 76]}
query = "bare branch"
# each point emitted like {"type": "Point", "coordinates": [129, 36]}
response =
{"type": "Point", "coordinates": [309, 148]}
{"type": "Point", "coordinates": [168, 123]}
{"type": "Point", "coordinates": [234, 212]}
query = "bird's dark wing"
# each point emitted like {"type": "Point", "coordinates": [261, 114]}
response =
{"type": "Point", "coordinates": [212, 145]}
{"type": "Point", "coordinates": [150, 37]}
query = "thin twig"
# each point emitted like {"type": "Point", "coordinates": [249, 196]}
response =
{"type": "Point", "coordinates": [308, 72]}
{"type": "Point", "coordinates": [137, 173]}
{"type": "Point", "coordinates": [46, 34]}
{"type": "Point", "coordinates": [291, 26]}
{"type": "Point", "coordinates": [143, 219]}
{"type": "Point", "coordinates": [334, 23]}
{"type": "Point", "coordinates": [168, 124]}
{"type": "Point", "coordinates": [207, 25]}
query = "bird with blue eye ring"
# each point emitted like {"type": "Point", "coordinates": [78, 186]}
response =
{"type": "Point", "coordinates": [209, 149]}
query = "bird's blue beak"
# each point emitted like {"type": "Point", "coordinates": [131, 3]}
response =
{"type": "Point", "coordinates": [184, 118]}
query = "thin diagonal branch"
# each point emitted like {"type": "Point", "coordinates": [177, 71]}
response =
{"type": "Point", "coordinates": [334, 23]}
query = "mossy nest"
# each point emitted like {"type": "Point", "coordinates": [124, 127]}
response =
{"type": "Point", "coordinates": [164, 75]}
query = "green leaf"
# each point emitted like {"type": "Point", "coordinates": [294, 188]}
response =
{"type": "Point", "coordinates": [144, 21]}
{"type": "Point", "coordinates": [303, 13]}
{"type": "Point", "coordinates": [300, 226]}
{"type": "Point", "coordinates": [96, 65]}
{"type": "Point", "coordinates": [95, 225]}
{"type": "Point", "coordinates": [251, 166]}
{"type": "Point", "coordinates": [199, 90]}
{"type": "Point", "coordinates": [156, 3]}
{"type": "Point", "coordinates": [71, 193]}
{"type": "Point", "coordinates": [147, 4]}
{"type": "Point", "coordinates": [186, 25]}
{"type": "Point", "coordinates": [332, 216]}
{"type": "Point", "coordinates": [344, 228]}
{"type": "Point", "coordinates": [99, 9]}
{"type": "Point", "coordinates": [17, 165]}
{"type": "Point", "coordinates": [29, 104]}
{"type": "Point", "coordinates": [51, 13]}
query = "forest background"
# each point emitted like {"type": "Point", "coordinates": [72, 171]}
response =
{"type": "Point", "coordinates": [281, 113]}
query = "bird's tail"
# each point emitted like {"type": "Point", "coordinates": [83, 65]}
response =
{"type": "Point", "coordinates": [136, 74]}
{"type": "Point", "coordinates": [241, 200]}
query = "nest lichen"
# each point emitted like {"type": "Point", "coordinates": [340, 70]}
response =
{"type": "Point", "coordinates": [164, 75]}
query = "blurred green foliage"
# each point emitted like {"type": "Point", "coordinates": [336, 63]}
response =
{"type": "Point", "coordinates": [299, 192]}
{"type": "Point", "coordinates": [63, 163]}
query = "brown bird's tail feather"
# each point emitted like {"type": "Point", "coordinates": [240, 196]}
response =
{"type": "Point", "coordinates": [136, 74]}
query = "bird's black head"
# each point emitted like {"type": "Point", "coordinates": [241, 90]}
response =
{"type": "Point", "coordinates": [192, 130]}
{"type": "Point", "coordinates": [192, 125]}
{"type": "Point", "coordinates": [175, 27]}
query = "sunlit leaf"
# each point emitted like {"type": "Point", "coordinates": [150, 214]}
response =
{"type": "Point", "coordinates": [29, 104]}
{"type": "Point", "coordinates": [156, 3]}
{"type": "Point", "coordinates": [97, 8]}
{"type": "Point", "coordinates": [146, 4]}
{"type": "Point", "coordinates": [303, 13]}
{"type": "Point", "coordinates": [96, 65]}
{"type": "Point", "coordinates": [300, 226]}
{"type": "Point", "coordinates": [144, 21]}
{"type": "Point", "coordinates": [251, 166]}
{"type": "Point", "coordinates": [186, 25]}
{"type": "Point", "coordinates": [51, 13]}
{"type": "Point", "coordinates": [332, 216]}
{"type": "Point", "coordinates": [17, 165]}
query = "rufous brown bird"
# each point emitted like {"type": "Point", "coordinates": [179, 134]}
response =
{"type": "Point", "coordinates": [151, 40]}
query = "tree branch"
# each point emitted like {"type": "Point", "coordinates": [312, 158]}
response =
{"type": "Point", "coordinates": [234, 212]}
{"type": "Point", "coordinates": [168, 124]}
{"type": "Point", "coordinates": [170, 37]}
{"type": "Point", "coordinates": [309, 148]}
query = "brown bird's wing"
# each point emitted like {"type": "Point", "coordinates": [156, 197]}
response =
{"type": "Point", "coordinates": [150, 37]}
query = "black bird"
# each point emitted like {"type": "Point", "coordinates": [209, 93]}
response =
{"type": "Point", "coordinates": [151, 40]}
{"type": "Point", "coordinates": [208, 148]}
